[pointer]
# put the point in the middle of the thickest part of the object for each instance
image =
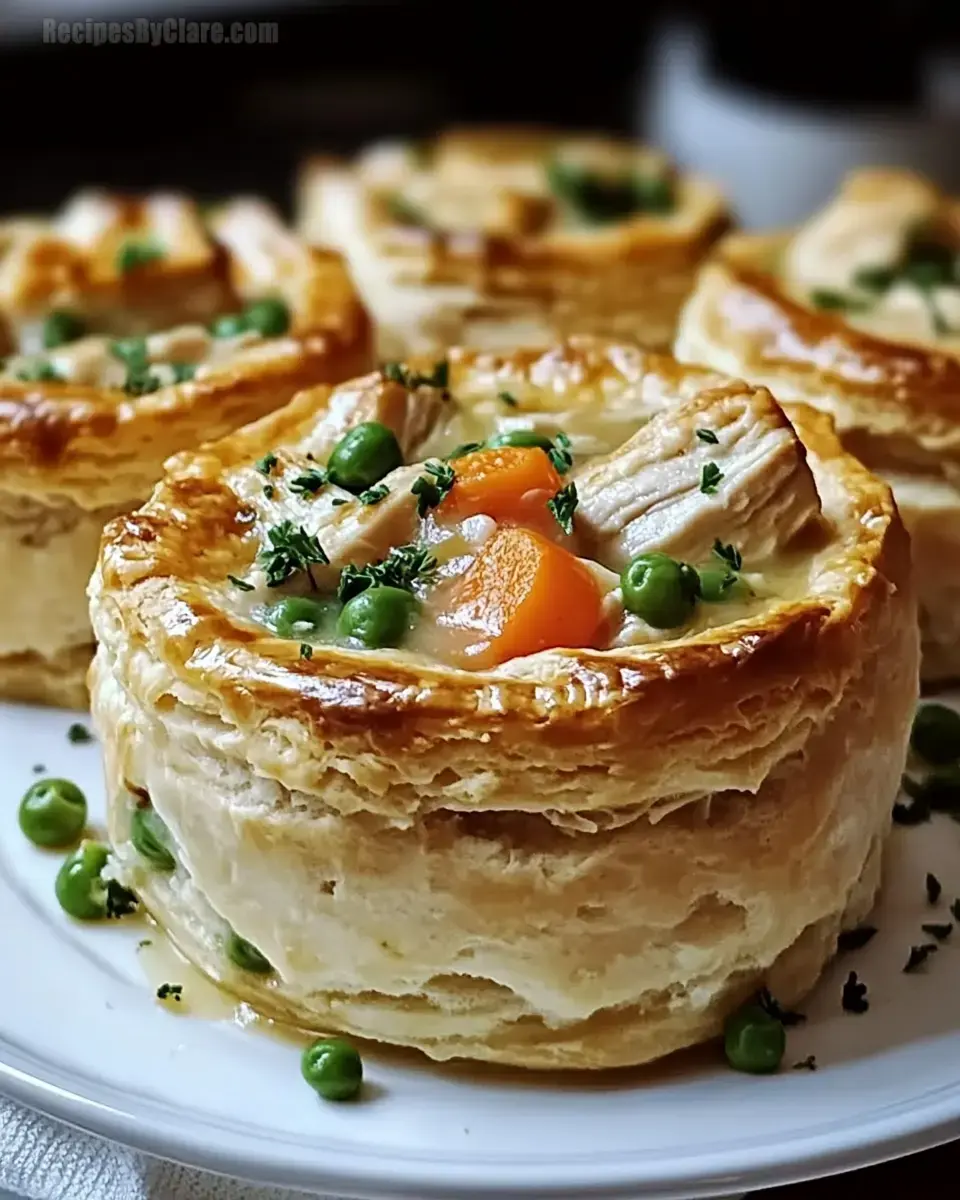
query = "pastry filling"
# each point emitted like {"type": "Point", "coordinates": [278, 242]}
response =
{"type": "Point", "coordinates": [475, 531]}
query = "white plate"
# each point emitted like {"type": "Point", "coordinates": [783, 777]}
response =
{"type": "Point", "coordinates": [83, 1039]}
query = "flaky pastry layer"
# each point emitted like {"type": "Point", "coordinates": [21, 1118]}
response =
{"type": "Point", "coordinates": [580, 859]}
{"type": "Point", "coordinates": [482, 255]}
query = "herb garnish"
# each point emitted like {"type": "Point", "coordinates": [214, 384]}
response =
{"type": "Point", "coordinates": [940, 932]}
{"type": "Point", "coordinates": [402, 568]}
{"type": "Point", "coordinates": [918, 956]}
{"type": "Point", "coordinates": [708, 436]}
{"type": "Point", "coordinates": [710, 478]}
{"type": "Point", "coordinates": [171, 991]}
{"type": "Point", "coordinates": [854, 996]}
{"type": "Point", "coordinates": [143, 943]}
{"type": "Point", "coordinates": [855, 939]}
{"type": "Point", "coordinates": [339, 502]}
{"type": "Point", "coordinates": [311, 480]}
{"type": "Point", "coordinates": [939, 792]}
{"type": "Point", "coordinates": [508, 400]}
{"type": "Point", "coordinates": [728, 554]}
{"type": "Point", "coordinates": [833, 301]}
{"type": "Point", "coordinates": [559, 454]}
{"type": "Point", "coordinates": [141, 381]}
{"type": "Point", "coordinates": [291, 549]}
{"type": "Point", "coordinates": [773, 1008]}
{"type": "Point", "coordinates": [120, 901]}
{"type": "Point", "coordinates": [135, 253]}
{"type": "Point", "coordinates": [405, 212]}
{"type": "Point", "coordinates": [598, 199]}
{"type": "Point", "coordinates": [431, 487]}
{"type": "Point", "coordinates": [934, 888]}
{"type": "Point", "coordinates": [131, 350]}
{"type": "Point", "coordinates": [306, 650]}
{"type": "Point", "coordinates": [806, 1064]}
{"type": "Point", "coordinates": [240, 583]}
{"type": "Point", "coordinates": [564, 505]}
{"type": "Point", "coordinates": [40, 372]}
{"type": "Point", "coordinates": [397, 372]}
{"type": "Point", "coordinates": [374, 495]}
{"type": "Point", "coordinates": [78, 734]}
{"type": "Point", "coordinates": [269, 491]}
{"type": "Point", "coordinates": [266, 464]}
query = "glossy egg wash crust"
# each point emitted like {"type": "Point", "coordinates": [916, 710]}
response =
{"type": "Point", "coordinates": [620, 745]}
{"type": "Point", "coordinates": [502, 238]}
{"type": "Point", "coordinates": [858, 313]}
{"type": "Point", "coordinates": [129, 330]}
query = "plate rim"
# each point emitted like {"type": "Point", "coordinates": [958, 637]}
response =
{"type": "Point", "coordinates": [387, 1177]}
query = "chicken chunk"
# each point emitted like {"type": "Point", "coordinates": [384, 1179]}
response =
{"type": "Point", "coordinates": [655, 492]}
{"type": "Point", "coordinates": [411, 414]}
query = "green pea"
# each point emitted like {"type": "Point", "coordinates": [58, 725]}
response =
{"type": "Point", "coordinates": [269, 317]}
{"type": "Point", "coordinates": [754, 1041]}
{"type": "Point", "coordinates": [53, 813]}
{"type": "Point", "coordinates": [246, 956]}
{"type": "Point", "coordinates": [936, 734]}
{"type": "Point", "coordinates": [60, 327]}
{"type": "Point", "coordinates": [80, 889]}
{"type": "Point", "coordinates": [660, 590]}
{"type": "Point", "coordinates": [151, 838]}
{"type": "Point", "coordinates": [132, 351]}
{"type": "Point", "coordinates": [377, 617]}
{"type": "Point", "coordinates": [333, 1068]}
{"type": "Point", "coordinates": [363, 456]}
{"type": "Point", "coordinates": [229, 325]}
{"type": "Point", "coordinates": [520, 437]}
{"type": "Point", "coordinates": [718, 584]}
{"type": "Point", "coordinates": [301, 617]}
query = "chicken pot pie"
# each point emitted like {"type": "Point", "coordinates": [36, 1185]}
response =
{"type": "Point", "coordinates": [505, 238]}
{"type": "Point", "coordinates": [858, 313]}
{"type": "Point", "coordinates": [533, 708]}
{"type": "Point", "coordinates": [131, 329]}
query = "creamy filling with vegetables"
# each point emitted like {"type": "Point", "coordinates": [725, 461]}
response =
{"type": "Point", "coordinates": [60, 349]}
{"type": "Point", "coordinates": [474, 553]}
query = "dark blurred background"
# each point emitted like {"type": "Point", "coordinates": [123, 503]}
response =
{"type": "Point", "coordinates": [774, 98]}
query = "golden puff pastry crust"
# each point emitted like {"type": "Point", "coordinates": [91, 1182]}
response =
{"type": "Point", "coordinates": [113, 363]}
{"type": "Point", "coordinates": [858, 314]}
{"type": "Point", "coordinates": [499, 238]}
{"type": "Point", "coordinates": [580, 858]}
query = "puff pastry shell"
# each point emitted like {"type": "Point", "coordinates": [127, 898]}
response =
{"type": "Point", "coordinates": [77, 451]}
{"type": "Point", "coordinates": [462, 242]}
{"type": "Point", "coordinates": [582, 858]}
{"type": "Point", "coordinates": [880, 366]}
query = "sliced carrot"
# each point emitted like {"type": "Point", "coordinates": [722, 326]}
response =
{"type": "Point", "coordinates": [506, 483]}
{"type": "Point", "coordinates": [521, 594]}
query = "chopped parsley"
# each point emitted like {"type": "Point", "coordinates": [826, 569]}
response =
{"type": "Point", "coordinates": [291, 549]}
{"type": "Point", "coordinates": [938, 931]}
{"type": "Point", "coordinates": [708, 436]}
{"type": "Point", "coordinates": [183, 372]}
{"type": "Point", "coordinates": [339, 502]}
{"type": "Point", "coordinates": [131, 350]}
{"type": "Point", "coordinates": [397, 372]}
{"type": "Point", "coordinates": [934, 888]}
{"type": "Point", "coordinates": [806, 1064]}
{"type": "Point", "coordinates": [306, 650]}
{"type": "Point", "coordinates": [143, 943]}
{"type": "Point", "coordinates": [170, 991]}
{"type": "Point", "coordinates": [402, 568]}
{"type": "Point", "coordinates": [266, 464]}
{"type": "Point", "coordinates": [374, 495]}
{"type": "Point", "coordinates": [728, 554]}
{"type": "Point", "coordinates": [564, 505]}
{"type": "Point", "coordinates": [918, 956]}
{"type": "Point", "coordinates": [853, 999]}
{"type": "Point", "coordinates": [240, 583]}
{"type": "Point", "coordinates": [855, 939]}
{"type": "Point", "coordinates": [269, 491]}
{"type": "Point", "coordinates": [710, 478]}
{"type": "Point", "coordinates": [311, 480]}
{"type": "Point", "coordinates": [135, 253]}
{"type": "Point", "coordinates": [599, 198]}
{"type": "Point", "coordinates": [833, 301]}
{"type": "Point", "coordinates": [508, 400]}
{"type": "Point", "coordinates": [405, 212]}
{"type": "Point", "coordinates": [39, 372]}
{"type": "Point", "coordinates": [431, 487]}
{"type": "Point", "coordinates": [559, 454]}
{"type": "Point", "coordinates": [141, 381]}
{"type": "Point", "coordinates": [79, 734]}
{"type": "Point", "coordinates": [120, 901]}
{"type": "Point", "coordinates": [773, 1009]}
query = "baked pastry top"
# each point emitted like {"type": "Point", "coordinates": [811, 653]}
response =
{"type": "Point", "coordinates": [547, 750]}
{"type": "Point", "coordinates": [133, 327]}
{"type": "Point", "coordinates": [858, 313]}
{"type": "Point", "coordinates": [500, 237]}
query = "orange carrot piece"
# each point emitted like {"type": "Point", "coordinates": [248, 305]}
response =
{"type": "Point", "coordinates": [522, 593]}
{"type": "Point", "coordinates": [495, 482]}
